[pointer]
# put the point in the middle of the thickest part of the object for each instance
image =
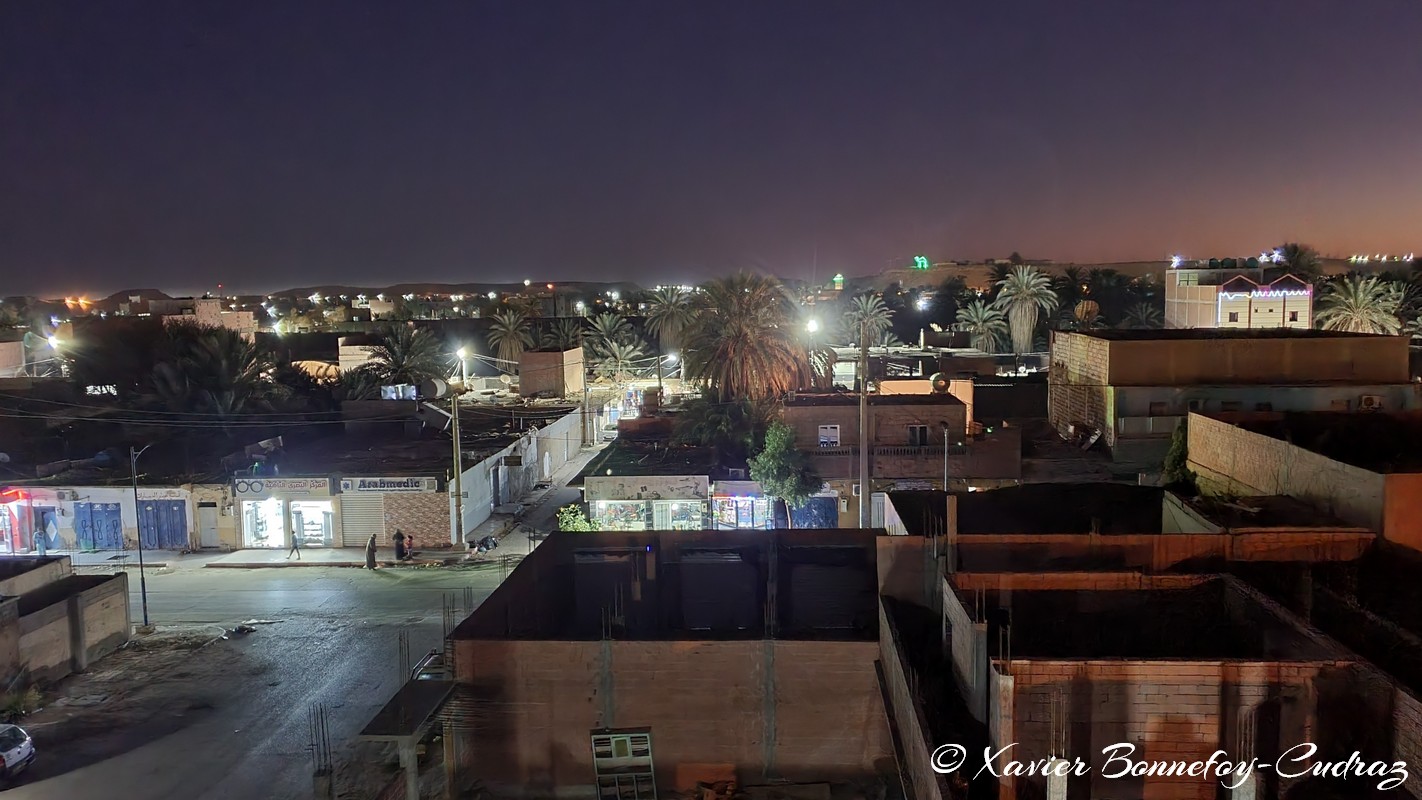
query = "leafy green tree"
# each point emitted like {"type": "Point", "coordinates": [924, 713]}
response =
{"type": "Point", "coordinates": [407, 354]}
{"type": "Point", "coordinates": [985, 325]}
{"type": "Point", "coordinates": [1360, 304]}
{"type": "Point", "coordinates": [1024, 293]}
{"type": "Point", "coordinates": [1301, 260]}
{"type": "Point", "coordinates": [509, 335]}
{"type": "Point", "coordinates": [572, 518]}
{"type": "Point", "coordinates": [784, 471]}
{"type": "Point", "coordinates": [1176, 472]}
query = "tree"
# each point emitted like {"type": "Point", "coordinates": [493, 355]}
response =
{"type": "Point", "coordinates": [1023, 293]}
{"type": "Point", "coordinates": [211, 371]}
{"type": "Point", "coordinates": [746, 341]}
{"type": "Point", "coordinates": [1070, 287]}
{"type": "Point", "coordinates": [1359, 304]}
{"type": "Point", "coordinates": [407, 354]}
{"type": "Point", "coordinates": [1016, 258]}
{"type": "Point", "coordinates": [361, 383]}
{"type": "Point", "coordinates": [564, 334]}
{"type": "Point", "coordinates": [784, 471]}
{"type": "Point", "coordinates": [730, 429]}
{"type": "Point", "coordinates": [1143, 315]}
{"type": "Point", "coordinates": [985, 325]}
{"type": "Point", "coordinates": [1176, 471]}
{"type": "Point", "coordinates": [509, 335]}
{"type": "Point", "coordinates": [572, 518]}
{"type": "Point", "coordinates": [886, 339]}
{"type": "Point", "coordinates": [618, 361]}
{"type": "Point", "coordinates": [607, 329]}
{"type": "Point", "coordinates": [867, 309]}
{"type": "Point", "coordinates": [1301, 260]}
{"type": "Point", "coordinates": [669, 311]}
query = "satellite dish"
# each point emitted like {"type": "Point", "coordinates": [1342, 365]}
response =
{"type": "Point", "coordinates": [4, 458]}
{"type": "Point", "coordinates": [505, 378]}
{"type": "Point", "coordinates": [939, 382]}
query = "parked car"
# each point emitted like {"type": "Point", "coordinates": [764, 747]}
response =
{"type": "Point", "coordinates": [16, 749]}
{"type": "Point", "coordinates": [609, 433]}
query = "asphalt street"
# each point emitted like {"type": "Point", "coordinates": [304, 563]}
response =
{"type": "Point", "coordinates": [230, 721]}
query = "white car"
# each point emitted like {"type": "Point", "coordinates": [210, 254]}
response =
{"type": "Point", "coordinates": [609, 433]}
{"type": "Point", "coordinates": [17, 750]}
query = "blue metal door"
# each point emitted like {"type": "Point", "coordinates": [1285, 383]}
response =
{"type": "Point", "coordinates": [164, 524]}
{"type": "Point", "coordinates": [98, 526]}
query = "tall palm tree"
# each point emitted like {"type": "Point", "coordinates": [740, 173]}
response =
{"type": "Point", "coordinates": [985, 325]}
{"type": "Point", "coordinates": [564, 334]}
{"type": "Point", "coordinates": [1143, 316]}
{"type": "Point", "coordinates": [213, 371]}
{"type": "Point", "coordinates": [510, 334]}
{"type": "Point", "coordinates": [618, 361]}
{"type": "Point", "coordinates": [607, 329]}
{"type": "Point", "coordinates": [669, 311]}
{"type": "Point", "coordinates": [867, 309]}
{"type": "Point", "coordinates": [408, 354]}
{"type": "Point", "coordinates": [1359, 304]}
{"type": "Point", "coordinates": [1024, 293]}
{"type": "Point", "coordinates": [745, 341]}
{"type": "Point", "coordinates": [1070, 286]}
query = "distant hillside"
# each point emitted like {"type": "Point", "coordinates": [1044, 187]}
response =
{"type": "Point", "coordinates": [448, 288]}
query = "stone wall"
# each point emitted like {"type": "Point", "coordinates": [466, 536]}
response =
{"type": "Point", "coordinates": [423, 515]}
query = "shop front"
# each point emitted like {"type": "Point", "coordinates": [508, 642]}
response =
{"type": "Point", "coordinates": [741, 505]}
{"type": "Point", "coordinates": [639, 503]}
{"type": "Point", "coordinates": [273, 511]}
{"type": "Point", "coordinates": [379, 506]}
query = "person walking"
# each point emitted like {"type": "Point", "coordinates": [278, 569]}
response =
{"type": "Point", "coordinates": [400, 550]}
{"type": "Point", "coordinates": [295, 547]}
{"type": "Point", "coordinates": [370, 553]}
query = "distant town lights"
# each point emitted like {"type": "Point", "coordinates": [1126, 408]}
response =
{"type": "Point", "coordinates": [1176, 261]}
{"type": "Point", "coordinates": [527, 282]}
{"type": "Point", "coordinates": [493, 295]}
{"type": "Point", "coordinates": [922, 304]}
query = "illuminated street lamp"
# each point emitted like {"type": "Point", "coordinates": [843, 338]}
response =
{"type": "Point", "coordinates": [463, 366]}
{"type": "Point", "coordinates": [527, 282]}
{"type": "Point", "coordinates": [813, 326]}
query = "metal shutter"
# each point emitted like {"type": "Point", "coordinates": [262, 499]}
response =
{"type": "Point", "coordinates": [362, 514]}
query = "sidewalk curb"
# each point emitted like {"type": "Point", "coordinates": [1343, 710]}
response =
{"type": "Point", "coordinates": [344, 564]}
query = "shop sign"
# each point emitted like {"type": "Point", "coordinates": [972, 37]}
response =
{"type": "Point", "coordinates": [389, 485]}
{"type": "Point", "coordinates": [249, 487]}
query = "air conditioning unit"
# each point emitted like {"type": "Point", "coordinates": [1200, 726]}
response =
{"type": "Point", "coordinates": [64, 495]}
{"type": "Point", "coordinates": [1370, 402]}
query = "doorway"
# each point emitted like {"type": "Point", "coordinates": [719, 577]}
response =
{"type": "Point", "coordinates": [207, 525]}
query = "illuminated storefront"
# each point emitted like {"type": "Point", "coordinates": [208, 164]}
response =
{"type": "Point", "coordinates": [274, 510]}
{"type": "Point", "coordinates": [640, 503]}
{"type": "Point", "coordinates": [741, 504]}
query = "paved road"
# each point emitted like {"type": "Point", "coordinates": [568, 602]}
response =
{"type": "Point", "coordinates": [236, 727]}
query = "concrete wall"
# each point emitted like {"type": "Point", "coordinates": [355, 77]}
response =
{"type": "Point", "coordinates": [1279, 360]}
{"type": "Point", "coordinates": [967, 640]}
{"type": "Point", "coordinates": [914, 748]}
{"type": "Point", "coordinates": [1028, 552]}
{"type": "Point", "coordinates": [72, 623]}
{"type": "Point", "coordinates": [25, 574]}
{"type": "Point", "coordinates": [1230, 460]}
{"type": "Point", "coordinates": [559, 373]}
{"type": "Point", "coordinates": [64, 517]}
{"type": "Point", "coordinates": [560, 440]}
{"type": "Point", "coordinates": [759, 706]}
{"type": "Point", "coordinates": [888, 422]}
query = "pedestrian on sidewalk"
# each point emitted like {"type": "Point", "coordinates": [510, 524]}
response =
{"type": "Point", "coordinates": [370, 553]}
{"type": "Point", "coordinates": [399, 545]}
{"type": "Point", "coordinates": [295, 547]}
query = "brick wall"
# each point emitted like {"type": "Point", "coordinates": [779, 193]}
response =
{"type": "Point", "coordinates": [423, 515]}
{"type": "Point", "coordinates": [1231, 460]}
{"type": "Point", "coordinates": [1077, 392]}
{"type": "Point", "coordinates": [759, 706]}
{"type": "Point", "coordinates": [1029, 552]}
{"type": "Point", "coordinates": [888, 423]}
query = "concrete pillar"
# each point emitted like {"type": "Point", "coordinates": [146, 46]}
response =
{"type": "Point", "coordinates": [322, 787]}
{"type": "Point", "coordinates": [78, 652]}
{"type": "Point", "coordinates": [1056, 783]}
{"type": "Point", "coordinates": [1246, 790]}
{"type": "Point", "coordinates": [451, 763]}
{"type": "Point", "coordinates": [410, 763]}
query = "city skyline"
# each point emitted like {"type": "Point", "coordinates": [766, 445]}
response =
{"type": "Point", "coordinates": [183, 146]}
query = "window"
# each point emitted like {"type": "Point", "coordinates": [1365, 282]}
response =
{"type": "Point", "coordinates": [1230, 405]}
{"type": "Point", "coordinates": [1158, 409]}
{"type": "Point", "coordinates": [829, 436]}
{"type": "Point", "coordinates": [1234, 316]}
{"type": "Point", "coordinates": [1293, 316]}
{"type": "Point", "coordinates": [918, 436]}
{"type": "Point", "coordinates": [1196, 405]}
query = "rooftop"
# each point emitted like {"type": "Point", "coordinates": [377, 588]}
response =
{"type": "Point", "coordinates": [628, 458]}
{"type": "Point", "coordinates": [1061, 508]}
{"type": "Point", "coordinates": [852, 399]}
{"type": "Point", "coordinates": [687, 585]}
{"type": "Point", "coordinates": [1189, 334]}
{"type": "Point", "coordinates": [1269, 511]}
{"type": "Point", "coordinates": [1217, 619]}
{"type": "Point", "coordinates": [1376, 442]}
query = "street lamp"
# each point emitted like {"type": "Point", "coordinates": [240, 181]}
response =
{"type": "Point", "coordinates": [813, 326]}
{"type": "Point", "coordinates": [463, 366]}
{"type": "Point", "coordinates": [138, 521]}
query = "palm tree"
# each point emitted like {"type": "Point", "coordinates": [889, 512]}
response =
{"type": "Point", "coordinates": [213, 371]}
{"type": "Point", "coordinates": [985, 325]}
{"type": "Point", "coordinates": [886, 339]}
{"type": "Point", "coordinates": [1025, 292]}
{"type": "Point", "coordinates": [1359, 304]}
{"type": "Point", "coordinates": [1144, 316]}
{"type": "Point", "coordinates": [607, 329]}
{"type": "Point", "coordinates": [1070, 286]}
{"type": "Point", "coordinates": [509, 334]}
{"type": "Point", "coordinates": [564, 334]}
{"type": "Point", "coordinates": [617, 361]}
{"type": "Point", "coordinates": [669, 311]}
{"type": "Point", "coordinates": [867, 309]}
{"type": "Point", "coordinates": [408, 355]}
{"type": "Point", "coordinates": [1301, 260]}
{"type": "Point", "coordinates": [1413, 328]}
{"type": "Point", "coordinates": [745, 341]}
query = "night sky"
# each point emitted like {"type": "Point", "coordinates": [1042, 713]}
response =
{"type": "Point", "coordinates": [266, 145]}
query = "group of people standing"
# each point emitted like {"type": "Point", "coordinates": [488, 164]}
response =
{"type": "Point", "coordinates": [404, 548]}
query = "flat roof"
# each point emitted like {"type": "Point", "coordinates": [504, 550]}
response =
{"type": "Point", "coordinates": [410, 712]}
{"type": "Point", "coordinates": [639, 459]}
{"type": "Point", "coordinates": [1187, 334]}
{"type": "Point", "coordinates": [852, 399]}
{"type": "Point", "coordinates": [1062, 508]}
{"type": "Point", "coordinates": [1377, 442]}
{"type": "Point", "coordinates": [1268, 511]}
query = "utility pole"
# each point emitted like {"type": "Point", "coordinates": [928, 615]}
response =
{"type": "Point", "coordinates": [457, 523]}
{"type": "Point", "coordinates": [865, 496]}
{"type": "Point", "coordinates": [133, 455]}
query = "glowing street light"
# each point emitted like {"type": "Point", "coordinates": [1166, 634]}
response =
{"type": "Point", "coordinates": [527, 282]}
{"type": "Point", "coordinates": [493, 295]}
{"type": "Point", "coordinates": [922, 304]}
{"type": "Point", "coordinates": [813, 326]}
{"type": "Point", "coordinates": [1176, 261]}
